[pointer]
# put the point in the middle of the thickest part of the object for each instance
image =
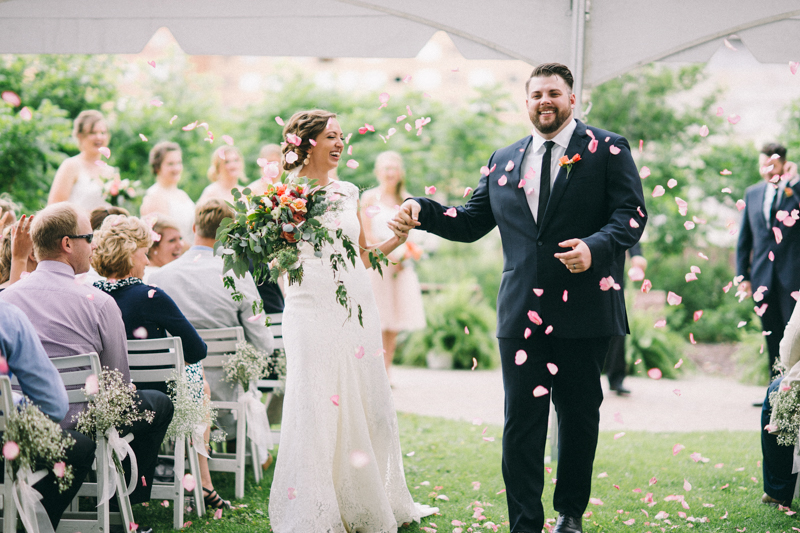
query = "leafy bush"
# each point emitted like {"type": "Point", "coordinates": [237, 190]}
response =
{"type": "Point", "coordinates": [656, 347]}
{"type": "Point", "coordinates": [448, 314]}
{"type": "Point", "coordinates": [752, 360]}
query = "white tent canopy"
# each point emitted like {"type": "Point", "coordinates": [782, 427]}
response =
{"type": "Point", "coordinates": [615, 35]}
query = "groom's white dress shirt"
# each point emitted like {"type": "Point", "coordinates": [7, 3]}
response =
{"type": "Point", "coordinates": [532, 163]}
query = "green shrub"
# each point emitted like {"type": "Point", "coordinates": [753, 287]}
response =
{"type": "Point", "coordinates": [752, 360]}
{"type": "Point", "coordinates": [658, 348]}
{"type": "Point", "coordinates": [448, 314]}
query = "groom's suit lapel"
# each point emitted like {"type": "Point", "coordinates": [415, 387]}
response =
{"type": "Point", "coordinates": [516, 174]}
{"type": "Point", "coordinates": [577, 145]}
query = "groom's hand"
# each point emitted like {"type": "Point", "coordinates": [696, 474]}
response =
{"type": "Point", "coordinates": [406, 219]}
{"type": "Point", "coordinates": [577, 260]}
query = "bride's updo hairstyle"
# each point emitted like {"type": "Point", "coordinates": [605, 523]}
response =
{"type": "Point", "coordinates": [307, 125]}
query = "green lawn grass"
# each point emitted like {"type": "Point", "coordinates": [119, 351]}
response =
{"type": "Point", "coordinates": [450, 458]}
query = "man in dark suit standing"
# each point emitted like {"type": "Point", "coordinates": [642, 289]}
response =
{"type": "Point", "coordinates": [768, 252]}
{"type": "Point", "coordinates": [568, 202]}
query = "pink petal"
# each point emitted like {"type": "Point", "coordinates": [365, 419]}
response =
{"type": "Point", "coordinates": [646, 286]}
{"type": "Point", "coordinates": [25, 113]}
{"type": "Point", "coordinates": [719, 111]}
{"type": "Point", "coordinates": [142, 137]}
{"type": "Point", "coordinates": [430, 190]}
{"type": "Point", "coordinates": [741, 324]}
{"type": "Point", "coordinates": [727, 287]}
{"type": "Point", "coordinates": [691, 276]}
{"type": "Point", "coordinates": [335, 400]}
{"type": "Point", "coordinates": [534, 317]}
{"type": "Point", "coordinates": [10, 450]}
{"type": "Point", "coordinates": [520, 357]}
{"type": "Point", "coordinates": [152, 64]}
{"type": "Point", "coordinates": [359, 352]}
{"type": "Point", "coordinates": [467, 191]}
{"type": "Point", "coordinates": [526, 334]}
{"type": "Point", "coordinates": [538, 292]}
{"type": "Point", "coordinates": [686, 485]}
{"type": "Point", "coordinates": [189, 483]}
{"type": "Point", "coordinates": [734, 119]}
{"type": "Point", "coordinates": [352, 163]}
{"type": "Point", "coordinates": [614, 150]}
{"type": "Point", "coordinates": [635, 274]}
{"type": "Point", "coordinates": [565, 295]}
{"type": "Point", "coordinates": [672, 183]}
{"type": "Point", "coordinates": [552, 368]}
{"type": "Point", "coordinates": [150, 293]}
{"type": "Point", "coordinates": [228, 140]}
{"type": "Point", "coordinates": [509, 166]}
{"type": "Point", "coordinates": [778, 235]}
{"type": "Point", "coordinates": [157, 103]}
{"type": "Point", "coordinates": [633, 223]}
{"type": "Point", "coordinates": [619, 435]}
{"type": "Point", "coordinates": [218, 514]}
{"type": "Point", "coordinates": [595, 501]}
{"type": "Point", "coordinates": [644, 172]}
{"type": "Point", "coordinates": [697, 315]}
{"type": "Point", "coordinates": [255, 318]}
{"type": "Point", "coordinates": [290, 157]}
{"type": "Point", "coordinates": [521, 184]}
{"type": "Point", "coordinates": [677, 449]}
{"type": "Point", "coordinates": [140, 333]}
{"type": "Point", "coordinates": [793, 67]}
{"type": "Point", "coordinates": [91, 386]}
{"type": "Point", "coordinates": [593, 145]}
{"type": "Point", "coordinates": [658, 190]}
{"type": "Point", "coordinates": [548, 330]}
{"type": "Point", "coordinates": [654, 373]}
{"type": "Point", "coordinates": [503, 180]}
{"type": "Point", "coordinates": [3, 365]}
{"type": "Point", "coordinates": [689, 225]}
{"type": "Point", "coordinates": [11, 98]}
{"type": "Point", "coordinates": [704, 131]}
{"type": "Point", "coordinates": [641, 146]}
{"type": "Point", "coordinates": [451, 212]}
{"type": "Point", "coordinates": [540, 391]}
{"type": "Point", "coordinates": [59, 469]}
{"type": "Point", "coordinates": [105, 151]}
{"type": "Point", "coordinates": [673, 299]}
{"type": "Point", "coordinates": [760, 310]}
{"type": "Point", "coordinates": [292, 493]}
{"type": "Point", "coordinates": [701, 255]}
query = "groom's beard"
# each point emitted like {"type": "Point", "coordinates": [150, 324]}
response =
{"type": "Point", "coordinates": [559, 118]}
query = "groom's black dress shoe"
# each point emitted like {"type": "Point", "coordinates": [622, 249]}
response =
{"type": "Point", "coordinates": [619, 388]}
{"type": "Point", "coordinates": [568, 524]}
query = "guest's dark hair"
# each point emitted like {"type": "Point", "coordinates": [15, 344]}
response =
{"type": "Point", "coordinates": [774, 149]}
{"type": "Point", "coordinates": [99, 214]}
{"type": "Point", "coordinates": [545, 70]}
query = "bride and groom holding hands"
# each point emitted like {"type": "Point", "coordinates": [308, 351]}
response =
{"type": "Point", "coordinates": [568, 203]}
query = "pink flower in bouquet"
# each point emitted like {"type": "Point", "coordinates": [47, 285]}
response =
{"type": "Point", "coordinates": [300, 205]}
{"type": "Point", "coordinates": [114, 188]}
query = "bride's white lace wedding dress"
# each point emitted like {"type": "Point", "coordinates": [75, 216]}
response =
{"type": "Point", "coordinates": [339, 465]}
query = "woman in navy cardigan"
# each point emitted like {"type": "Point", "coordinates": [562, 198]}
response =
{"type": "Point", "coordinates": [148, 312]}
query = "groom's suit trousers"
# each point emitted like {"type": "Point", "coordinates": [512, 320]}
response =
{"type": "Point", "coordinates": [577, 395]}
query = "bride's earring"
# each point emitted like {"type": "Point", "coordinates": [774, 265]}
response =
{"type": "Point", "coordinates": [306, 160]}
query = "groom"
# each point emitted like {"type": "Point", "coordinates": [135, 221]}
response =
{"type": "Point", "coordinates": [565, 228]}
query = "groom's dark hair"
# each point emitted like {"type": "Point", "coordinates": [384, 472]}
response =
{"type": "Point", "coordinates": [545, 70]}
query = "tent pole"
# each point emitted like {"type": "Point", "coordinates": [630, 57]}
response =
{"type": "Point", "coordinates": [578, 45]}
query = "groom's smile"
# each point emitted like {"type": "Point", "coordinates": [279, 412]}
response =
{"type": "Point", "coordinates": [549, 103]}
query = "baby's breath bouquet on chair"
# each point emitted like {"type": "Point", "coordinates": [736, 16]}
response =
{"type": "Point", "coordinates": [193, 412]}
{"type": "Point", "coordinates": [267, 230]}
{"type": "Point", "coordinates": [243, 369]}
{"type": "Point", "coordinates": [112, 405]}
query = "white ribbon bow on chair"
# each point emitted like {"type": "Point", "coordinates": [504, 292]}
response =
{"type": "Point", "coordinates": [119, 446]}
{"type": "Point", "coordinates": [28, 501]}
{"type": "Point", "coordinates": [199, 439]}
{"type": "Point", "coordinates": [257, 422]}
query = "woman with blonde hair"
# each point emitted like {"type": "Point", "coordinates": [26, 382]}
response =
{"type": "Point", "coordinates": [225, 173]}
{"type": "Point", "coordinates": [397, 292]}
{"type": "Point", "coordinates": [79, 179]}
{"type": "Point", "coordinates": [148, 312]}
{"type": "Point", "coordinates": [164, 196]}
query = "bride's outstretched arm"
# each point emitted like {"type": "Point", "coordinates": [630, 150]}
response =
{"type": "Point", "coordinates": [386, 246]}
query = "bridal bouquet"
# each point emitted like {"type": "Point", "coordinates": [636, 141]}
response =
{"type": "Point", "coordinates": [268, 229]}
{"type": "Point", "coordinates": [785, 404]}
{"type": "Point", "coordinates": [32, 439]}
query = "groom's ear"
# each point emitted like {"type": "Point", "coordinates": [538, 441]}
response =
{"type": "Point", "coordinates": [572, 99]}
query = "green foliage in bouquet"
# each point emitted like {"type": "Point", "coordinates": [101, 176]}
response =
{"type": "Point", "coordinates": [245, 366]}
{"type": "Point", "coordinates": [192, 407]}
{"type": "Point", "coordinates": [114, 405]}
{"type": "Point", "coordinates": [40, 442]}
{"type": "Point", "coordinates": [267, 230]}
{"type": "Point", "coordinates": [786, 412]}
{"type": "Point", "coordinates": [448, 314]}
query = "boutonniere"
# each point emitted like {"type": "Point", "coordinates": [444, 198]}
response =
{"type": "Point", "coordinates": [567, 163]}
{"type": "Point", "coordinates": [788, 192]}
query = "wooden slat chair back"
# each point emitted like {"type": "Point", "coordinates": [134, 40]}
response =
{"type": "Point", "coordinates": [268, 386]}
{"type": "Point", "coordinates": [9, 507]}
{"type": "Point", "coordinates": [155, 361]}
{"type": "Point", "coordinates": [74, 370]}
{"type": "Point", "coordinates": [221, 342]}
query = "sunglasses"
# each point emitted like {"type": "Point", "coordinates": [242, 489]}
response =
{"type": "Point", "coordinates": [88, 237]}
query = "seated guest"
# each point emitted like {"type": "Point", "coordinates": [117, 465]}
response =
{"type": "Point", "coordinates": [166, 249]}
{"type": "Point", "coordinates": [96, 217]}
{"type": "Point", "coordinates": [195, 283]}
{"type": "Point", "coordinates": [779, 481]}
{"type": "Point", "coordinates": [148, 312]}
{"type": "Point", "coordinates": [72, 319]}
{"type": "Point", "coordinates": [16, 252]}
{"type": "Point", "coordinates": [40, 383]}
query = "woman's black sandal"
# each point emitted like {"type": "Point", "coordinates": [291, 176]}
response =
{"type": "Point", "coordinates": [213, 500]}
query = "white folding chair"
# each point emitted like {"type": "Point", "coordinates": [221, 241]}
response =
{"type": "Point", "coordinates": [269, 385]}
{"type": "Point", "coordinates": [222, 342]}
{"type": "Point", "coordinates": [74, 370]}
{"type": "Point", "coordinates": [9, 518]}
{"type": "Point", "coordinates": [154, 361]}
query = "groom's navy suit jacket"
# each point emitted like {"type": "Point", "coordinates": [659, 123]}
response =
{"type": "Point", "coordinates": [600, 202]}
{"type": "Point", "coordinates": [758, 238]}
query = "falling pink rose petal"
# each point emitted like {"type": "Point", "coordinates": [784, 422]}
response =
{"type": "Point", "coordinates": [633, 223]}
{"type": "Point", "coordinates": [734, 119]}
{"type": "Point", "coordinates": [677, 449]}
{"type": "Point", "coordinates": [704, 131]}
{"type": "Point", "coordinates": [520, 357]}
{"type": "Point", "coordinates": [720, 112]}
{"type": "Point", "coordinates": [292, 493]}
{"type": "Point", "coordinates": [503, 180]}
{"type": "Point", "coordinates": [658, 190]}
{"type": "Point", "coordinates": [686, 485]}
{"type": "Point", "coordinates": [548, 330]}
{"type": "Point", "coordinates": [359, 352]}
{"type": "Point", "coordinates": [359, 459]}
{"type": "Point", "coordinates": [701, 255]}
{"type": "Point", "coordinates": [565, 295]}
{"type": "Point", "coordinates": [727, 287]}
{"type": "Point", "coordinates": [540, 391]}
{"type": "Point", "coordinates": [140, 333]}
{"type": "Point", "coordinates": [698, 314]}
{"type": "Point", "coordinates": [279, 120]}
{"type": "Point", "coordinates": [157, 103]}
{"type": "Point", "coordinates": [10, 450]}
{"type": "Point", "coordinates": [509, 166]}
{"type": "Point", "coordinates": [538, 292]}
{"type": "Point", "coordinates": [593, 145]}
{"type": "Point", "coordinates": [228, 140]}
{"type": "Point", "coordinates": [105, 151]}
{"type": "Point", "coordinates": [534, 317]}
{"type": "Point", "coordinates": [466, 330]}
{"type": "Point", "coordinates": [59, 469]}
{"type": "Point", "coordinates": [552, 368]}
{"type": "Point", "coordinates": [430, 190]}
{"type": "Point", "coordinates": [595, 501]}
{"type": "Point", "coordinates": [372, 210]}
{"type": "Point", "coordinates": [760, 310]}
{"type": "Point", "coordinates": [654, 373]}
{"type": "Point", "coordinates": [793, 66]}
{"type": "Point", "coordinates": [335, 400]}
{"type": "Point", "coordinates": [677, 392]}
{"type": "Point", "coordinates": [635, 274]}
{"type": "Point", "coordinates": [467, 191]}
{"type": "Point", "coordinates": [91, 386]}
{"type": "Point", "coordinates": [619, 435]}
{"type": "Point", "coordinates": [778, 235]}
{"type": "Point", "coordinates": [646, 286]}
{"type": "Point", "coordinates": [741, 324]}
{"type": "Point", "coordinates": [352, 163]}
{"type": "Point", "coordinates": [218, 514]}
{"type": "Point", "coordinates": [383, 98]}
{"type": "Point", "coordinates": [25, 113]}
{"type": "Point", "coordinates": [672, 183]}
{"type": "Point", "coordinates": [150, 293]}
{"type": "Point", "coordinates": [682, 206]}
{"type": "Point", "coordinates": [644, 172]}
{"type": "Point", "coordinates": [3, 365]}
{"type": "Point", "coordinates": [189, 483]}
{"type": "Point", "coordinates": [143, 138]}
{"type": "Point", "coordinates": [521, 183]}
{"type": "Point", "coordinates": [528, 330]}
{"type": "Point", "coordinates": [641, 145]}
{"type": "Point", "coordinates": [614, 150]}
{"type": "Point", "coordinates": [673, 299]}
{"type": "Point", "coordinates": [11, 97]}
{"type": "Point", "coordinates": [689, 225]}
{"type": "Point", "coordinates": [290, 157]}
{"type": "Point", "coordinates": [451, 212]}
{"type": "Point", "coordinates": [691, 276]}
{"type": "Point", "coordinates": [255, 318]}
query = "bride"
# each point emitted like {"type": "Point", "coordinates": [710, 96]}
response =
{"type": "Point", "coordinates": [339, 466]}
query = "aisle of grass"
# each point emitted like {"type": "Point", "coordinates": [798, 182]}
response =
{"type": "Point", "coordinates": [459, 461]}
